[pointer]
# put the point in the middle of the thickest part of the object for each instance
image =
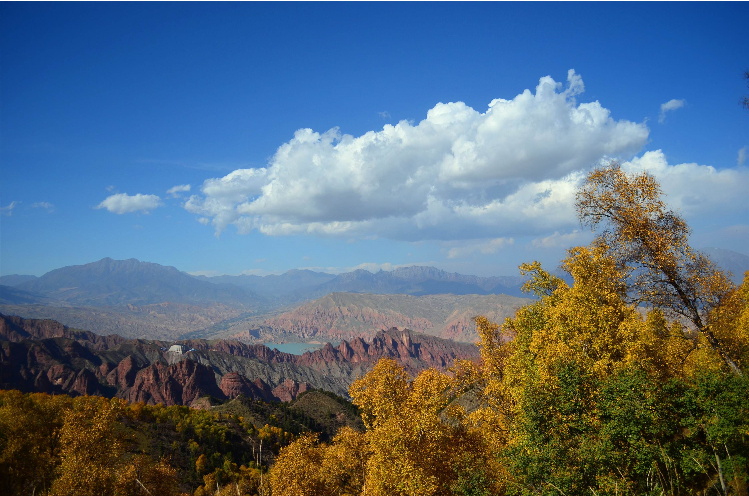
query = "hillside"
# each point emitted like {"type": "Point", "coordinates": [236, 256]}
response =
{"type": "Point", "coordinates": [345, 315]}
{"type": "Point", "coordinates": [10, 295]}
{"type": "Point", "coordinates": [15, 279]}
{"type": "Point", "coordinates": [167, 320]}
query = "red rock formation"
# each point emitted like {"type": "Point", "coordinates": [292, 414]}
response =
{"type": "Point", "coordinates": [123, 376]}
{"type": "Point", "coordinates": [289, 390]}
{"type": "Point", "coordinates": [85, 383]}
{"type": "Point", "coordinates": [177, 384]}
{"type": "Point", "coordinates": [234, 384]}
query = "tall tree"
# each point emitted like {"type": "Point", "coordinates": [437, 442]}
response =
{"type": "Point", "coordinates": [650, 244]}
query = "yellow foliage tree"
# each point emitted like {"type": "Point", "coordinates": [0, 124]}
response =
{"type": "Point", "coordinates": [649, 243]}
{"type": "Point", "coordinates": [29, 428]}
{"type": "Point", "coordinates": [419, 444]}
{"type": "Point", "coordinates": [90, 449]}
{"type": "Point", "coordinates": [308, 468]}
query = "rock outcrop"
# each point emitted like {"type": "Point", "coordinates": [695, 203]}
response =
{"type": "Point", "coordinates": [123, 376]}
{"type": "Point", "coordinates": [177, 384]}
{"type": "Point", "coordinates": [234, 384]}
{"type": "Point", "coordinates": [289, 390]}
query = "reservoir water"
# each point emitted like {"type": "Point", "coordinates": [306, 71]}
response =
{"type": "Point", "coordinates": [294, 348]}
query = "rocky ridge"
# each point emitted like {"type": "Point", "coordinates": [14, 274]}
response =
{"type": "Point", "coordinates": [48, 357]}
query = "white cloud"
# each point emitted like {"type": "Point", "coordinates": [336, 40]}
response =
{"type": "Point", "coordinates": [669, 106]}
{"type": "Point", "coordinates": [384, 114]}
{"type": "Point", "coordinates": [741, 158]}
{"type": "Point", "coordinates": [696, 189]}
{"type": "Point", "coordinates": [8, 210]}
{"type": "Point", "coordinates": [563, 240]}
{"type": "Point", "coordinates": [457, 174]}
{"type": "Point", "coordinates": [45, 205]}
{"type": "Point", "coordinates": [175, 191]}
{"type": "Point", "coordinates": [122, 203]}
{"type": "Point", "coordinates": [487, 247]}
{"type": "Point", "coordinates": [204, 220]}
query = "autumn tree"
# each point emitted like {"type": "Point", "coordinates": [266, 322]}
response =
{"type": "Point", "coordinates": [309, 468]}
{"type": "Point", "coordinates": [90, 449]}
{"type": "Point", "coordinates": [421, 442]}
{"type": "Point", "coordinates": [29, 435]}
{"type": "Point", "coordinates": [649, 244]}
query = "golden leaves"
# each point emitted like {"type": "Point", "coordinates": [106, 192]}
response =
{"type": "Point", "coordinates": [306, 467]}
{"type": "Point", "coordinates": [650, 245]}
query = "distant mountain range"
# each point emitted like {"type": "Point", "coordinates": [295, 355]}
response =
{"type": "Point", "coordinates": [141, 299]}
{"type": "Point", "coordinates": [147, 300]}
{"type": "Point", "coordinates": [282, 286]}
{"type": "Point", "coordinates": [120, 282]}
{"type": "Point", "coordinates": [301, 285]}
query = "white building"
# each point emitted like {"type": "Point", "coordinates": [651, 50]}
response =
{"type": "Point", "coordinates": [178, 348]}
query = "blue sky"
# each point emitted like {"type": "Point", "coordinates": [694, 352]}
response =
{"type": "Point", "coordinates": [438, 155]}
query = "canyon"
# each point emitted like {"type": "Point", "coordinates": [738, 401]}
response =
{"type": "Point", "coordinates": [46, 356]}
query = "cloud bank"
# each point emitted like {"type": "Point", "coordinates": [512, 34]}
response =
{"type": "Point", "coordinates": [122, 203]}
{"type": "Point", "coordinates": [696, 189]}
{"type": "Point", "coordinates": [457, 174]}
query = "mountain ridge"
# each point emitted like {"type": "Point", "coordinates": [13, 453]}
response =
{"type": "Point", "coordinates": [109, 282]}
{"type": "Point", "coordinates": [45, 356]}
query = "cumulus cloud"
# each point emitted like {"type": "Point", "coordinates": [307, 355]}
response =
{"type": "Point", "coordinates": [45, 205]}
{"type": "Point", "coordinates": [458, 174]}
{"type": "Point", "coordinates": [122, 203]}
{"type": "Point", "coordinates": [695, 189]}
{"type": "Point", "coordinates": [669, 106]}
{"type": "Point", "coordinates": [486, 247]}
{"type": "Point", "coordinates": [175, 191]}
{"type": "Point", "coordinates": [8, 210]}
{"type": "Point", "coordinates": [741, 158]}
